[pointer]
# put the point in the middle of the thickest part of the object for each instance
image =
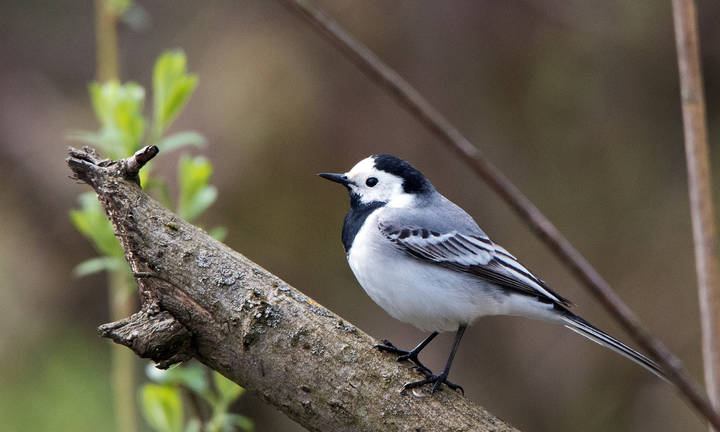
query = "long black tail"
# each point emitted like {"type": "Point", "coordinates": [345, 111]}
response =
{"type": "Point", "coordinates": [584, 328]}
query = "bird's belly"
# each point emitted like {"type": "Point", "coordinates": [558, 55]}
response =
{"type": "Point", "coordinates": [426, 295]}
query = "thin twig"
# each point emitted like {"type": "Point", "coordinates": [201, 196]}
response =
{"type": "Point", "coordinates": [106, 40]}
{"type": "Point", "coordinates": [699, 185]}
{"type": "Point", "coordinates": [416, 104]}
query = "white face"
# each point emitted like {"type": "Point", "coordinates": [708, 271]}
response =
{"type": "Point", "coordinates": [388, 188]}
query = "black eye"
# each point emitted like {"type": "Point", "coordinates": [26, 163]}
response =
{"type": "Point", "coordinates": [371, 181]}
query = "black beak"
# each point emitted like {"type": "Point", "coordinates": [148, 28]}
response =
{"type": "Point", "coordinates": [337, 178]}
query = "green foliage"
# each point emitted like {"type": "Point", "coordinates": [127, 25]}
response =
{"type": "Point", "coordinates": [91, 221]}
{"type": "Point", "coordinates": [192, 376]}
{"type": "Point", "coordinates": [227, 391]}
{"type": "Point", "coordinates": [162, 407]}
{"type": "Point", "coordinates": [196, 195]}
{"type": "Point", "coordinates": [98, 264]}
{"type": "Point", "coordinates": [118, 108]}
{"type": "Point", "coordinates": [218, 233]}
{"type": "Point", "coordinates": [172, 87]}
{"type": "Point", "coordinates": [180, 140]}
{"type": "Point", "coordinates": [217, 392]}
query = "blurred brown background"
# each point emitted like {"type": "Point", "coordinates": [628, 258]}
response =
{"type": "Point", "coordinates": [576, 101]}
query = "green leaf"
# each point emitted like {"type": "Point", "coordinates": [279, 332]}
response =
{"type": "Point", "coordinates": [191, 376]}
{"type": "Point", "coordinates": [118, 108]}
{"type": "Point", "coordinates": [218, 233]}
{"type": "Point", "coordinates": [193, 174]}
{"type": "Point", "coordinates": [227, 390]}
{"type": "Point", "coordinates": [152, 183]}
{"type": "Point", "coordinates": [199, 203]}
{"type": "Point", "coordinates": [172, 88]}
{"type": "Point", "coordinates": [98, 264]}
{"type": "Point", "coordinates": [195, 193]}
{"type": "Point", "coordinates": [91, 221]}
{"type": "Point", "coordinates": [162, 407]}
{"type": "Point", "coordinates": [180, 140]}
{"type": "Point", "coordinates": [144, 174]}
{"type": "Point", "coordinates": [240, 421]}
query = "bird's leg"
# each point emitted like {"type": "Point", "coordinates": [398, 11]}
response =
{"type": "Point", "coordinates": [411, 355]}
{"type": "Point", "coordinates": [436, 380]}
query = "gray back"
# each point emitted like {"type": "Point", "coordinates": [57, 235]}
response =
{"type": "Point", "coordinates": [434, 213]}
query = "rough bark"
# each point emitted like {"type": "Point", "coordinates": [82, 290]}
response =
{"type": "Point", "coordinates": [202, 299]}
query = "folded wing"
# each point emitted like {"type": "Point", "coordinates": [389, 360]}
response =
{"type": "Point", "coordinates": [471, 253]}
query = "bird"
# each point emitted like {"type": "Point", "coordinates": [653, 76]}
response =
{"type": "Point", "coordinates": [426, 262]}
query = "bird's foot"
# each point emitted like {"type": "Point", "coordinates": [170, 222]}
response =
{"type": "Point", "coordinates": [403, 355]}
{"type": "Point", "coordinates": [435, 380]}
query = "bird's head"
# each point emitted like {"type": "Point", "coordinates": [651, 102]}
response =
{"type": "Point", "coordinates": [383, 179]}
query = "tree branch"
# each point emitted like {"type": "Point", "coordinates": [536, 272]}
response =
{"type": "Point", "coordinates": [409, 98]}
{"type": "Point", "coordinates": [699, 185]}
{"type": "Point", "coordinates": [203, 299]}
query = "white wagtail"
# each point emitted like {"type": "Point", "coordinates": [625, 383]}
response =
{"type": "Point", "coordinates": [426, 262]}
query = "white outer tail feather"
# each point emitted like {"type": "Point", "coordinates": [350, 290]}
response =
{"type": "Point", "coordinates": [584, 328]}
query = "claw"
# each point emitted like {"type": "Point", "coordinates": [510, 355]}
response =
{"type": "Point", "coordinates": [436, 380]}
{"type": "Point", "coordinates": [403, 355]}
{"type": "Point", "coordinates": [387, 346]}
{"type": "Point", "coordinates": [388, 343]}
{"type": "Point", "coordinates": [412, 356]}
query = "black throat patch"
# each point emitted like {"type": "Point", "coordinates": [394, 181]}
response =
{"type": "Point", "coordinates": [355, 219]}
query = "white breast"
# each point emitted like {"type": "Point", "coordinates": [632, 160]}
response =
{"type": "Point", "coordinates": [426, 295]}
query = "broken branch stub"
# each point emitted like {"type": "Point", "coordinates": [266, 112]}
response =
{"type": "Point", "coordinates": [202, 299]}
{"type": "Point", "coordinates": [157, 336]}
